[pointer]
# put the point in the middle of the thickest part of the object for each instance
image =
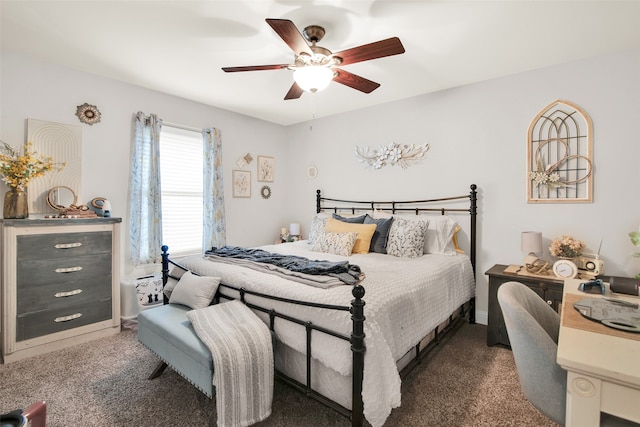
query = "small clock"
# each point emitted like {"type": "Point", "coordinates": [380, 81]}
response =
{"type": "Point", "coordinates": [565, 269]}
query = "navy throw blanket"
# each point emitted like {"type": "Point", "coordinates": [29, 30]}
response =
{"type": "Point", "coordinates": [347, 273]}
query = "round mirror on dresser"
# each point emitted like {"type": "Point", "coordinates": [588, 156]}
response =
{"type": "Point", "coordinates": [61, 198]}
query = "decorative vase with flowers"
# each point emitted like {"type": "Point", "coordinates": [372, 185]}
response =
{"type": "Point", "coordinates": [17, 170]}
{"type": "Point", "coordinates": [566, 247]}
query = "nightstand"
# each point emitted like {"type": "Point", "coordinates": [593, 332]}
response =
{"type": "Point", "coordinates": [549, 288]}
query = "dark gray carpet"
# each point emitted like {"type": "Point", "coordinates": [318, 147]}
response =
{"type": "Point", "coordinates": [103, 383]}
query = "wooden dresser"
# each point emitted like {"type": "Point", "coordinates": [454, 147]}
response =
{"type": "Point", "coordinates": [60, 283]}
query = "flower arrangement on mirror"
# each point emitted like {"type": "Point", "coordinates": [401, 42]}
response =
{"type": "Point", "coordinates": [566, 247]}
{"type": "Point", "coordinates": [17, 170]}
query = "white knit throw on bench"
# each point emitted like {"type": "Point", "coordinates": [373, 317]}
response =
{"type": "Point", "coordinates": [241, 348]}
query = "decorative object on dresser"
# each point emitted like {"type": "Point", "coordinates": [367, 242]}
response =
{"type": "Point", "coordinates": [65, 201]}
{"type": "Point", "coordinates": [567, 249]}
{"type": "Point", "coordinates": [531, 244]}
{"type": "Point", "coordinates": [560, 155]}
{"type": "Point", "coordinates": [63, 143]}
{"type": "Point", "coordinates": [549, 288]}
{"type": "Point", "coordinates": [18, 169]}
{"type": "Point", "coordinates": [60, 283]}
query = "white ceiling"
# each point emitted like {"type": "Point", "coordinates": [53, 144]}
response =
{"type": "Point", "coordinates": [179, 47]}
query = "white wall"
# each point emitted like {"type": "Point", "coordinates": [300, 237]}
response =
{"type": "Point", "coordinates": [44, 91]}
{"type": "Point", "coordinates": [478, 135]}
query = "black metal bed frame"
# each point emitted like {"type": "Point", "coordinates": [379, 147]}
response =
{"type": "Point", "coordinates": [356, 307]}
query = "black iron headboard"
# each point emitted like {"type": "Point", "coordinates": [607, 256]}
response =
{"type": "Point", "coordinates": [441, 205]}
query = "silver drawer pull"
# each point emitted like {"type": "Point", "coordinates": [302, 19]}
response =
{"type": "Point", "coordinates": [68, 245]}
{"type": "Point", "coordinates": [67, 318]}
{"type": "Point", "coordinates": [67, 294]}
{"type": "Point", "coordinates": [67, 269]}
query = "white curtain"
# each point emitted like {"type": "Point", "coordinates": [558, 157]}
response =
{"type": "Point", "coordinates": [214, 230]}
{"type": "Point", "coordinates": [145, 222]}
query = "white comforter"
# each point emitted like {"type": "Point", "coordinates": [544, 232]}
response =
{"type": "Point", "coordinates": [405, 299]}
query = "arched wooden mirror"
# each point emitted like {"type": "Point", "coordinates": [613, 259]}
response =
{"type": "Point", "coordinates": [60, 198]}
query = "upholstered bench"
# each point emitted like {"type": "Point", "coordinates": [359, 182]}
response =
{"type": "Point", "coordinates": [167, 332]}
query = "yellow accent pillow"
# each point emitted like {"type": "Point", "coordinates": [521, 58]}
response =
{"type": "Point", "coordinates": [365, 233]}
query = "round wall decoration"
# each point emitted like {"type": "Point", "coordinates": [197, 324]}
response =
{"type": "Point", "coordinates": [265, 191]}
{"type": "Point", "coordinates": [312, 172]}
{"type": "Point", "coordinates": [88, 114]}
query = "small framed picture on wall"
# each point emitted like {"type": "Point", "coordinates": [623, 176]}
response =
{"type": "Point", "coordinates": [241, 183]}
{"type": "Point", "coordinates": [265, 169]}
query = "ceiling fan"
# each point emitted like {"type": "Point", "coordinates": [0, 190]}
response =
{"type": "Point", "coordinates": [315, 67]}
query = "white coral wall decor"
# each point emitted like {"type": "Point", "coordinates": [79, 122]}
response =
{"type": "Point", "coordinates": [392, 154]}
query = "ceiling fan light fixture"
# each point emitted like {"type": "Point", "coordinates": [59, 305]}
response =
{"type": "Point", "coordinates": [313, 78]}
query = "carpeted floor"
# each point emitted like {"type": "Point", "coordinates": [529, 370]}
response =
{"type": "Point", "coordinates": [103, 383]}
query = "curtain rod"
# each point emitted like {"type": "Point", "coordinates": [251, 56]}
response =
{"type": "Point", "coordinates": [173, 125]}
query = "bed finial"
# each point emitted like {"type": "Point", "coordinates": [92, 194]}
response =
{"type": "Point", "coordinates": [317, 201]}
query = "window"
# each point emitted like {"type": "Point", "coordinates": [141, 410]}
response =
{"type": "Point", "coordinates": [181, 169]}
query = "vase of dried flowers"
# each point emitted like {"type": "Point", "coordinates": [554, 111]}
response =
{"type": "Point", "coordinates": [566, 247]}
{"type": "Point", "coordinates": [16, 204]}
{"type": "Point", "coordinates": [17, 170]}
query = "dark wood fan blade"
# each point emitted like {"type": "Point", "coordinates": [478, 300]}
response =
{"type": "Point", "coordinates": [254, 68]}
{"type": "Point", "coordinates": [374, 50]}
{"type": "Point", "coordinates": [290, 34]}
{"type": "Point", "coordinates": [354, 81]}
{"type": "Point", "coordinates": [295, 92]}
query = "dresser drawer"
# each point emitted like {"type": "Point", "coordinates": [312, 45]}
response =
{"type": "Point", "coordinates": [64, 294]}
{"type": "Point", "coordinates": [56, 320]}
{"type": "Point", "coordinates": [45, 271]}
{"type": "Point", "coordinates": [63, 245]}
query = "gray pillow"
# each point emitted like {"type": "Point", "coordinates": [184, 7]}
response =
{"type": "Point", "coordinates": [194, 291]}
{"type": "Point", "coordinates": [351, 219]}
{"type": "Point", "coordinates": [380, 236]}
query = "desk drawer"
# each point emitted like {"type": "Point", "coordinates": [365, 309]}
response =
{"type": "Point", "coordinates": [56, 320]}
{"type": "Point", "coordinates": [45, 271]}
{"type": "Point", "coordinates": [59, 295]}
{"type": "Point", "coordinates": [63, 245]}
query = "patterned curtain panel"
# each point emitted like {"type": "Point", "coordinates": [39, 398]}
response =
{"type": "Point", "coordinates": [214, 230]}
{"type": "Point", "coordinates": [145, 223]}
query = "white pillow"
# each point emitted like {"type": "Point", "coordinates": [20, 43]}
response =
{"type": "Point", "coordinates": [318, 225]}
{"type": "Point", "coordinates": [194, 291]}
{"type": "Point", "coordinates": [438, 238]}
{"type": "Point", "coordinates": [439, 235]}
{"type": "Point", "coordinates": [176, 272]}
{"type": "Point", "coordinates": [406, 238]}
{"type": "Point", "coordinates": [335, 243]}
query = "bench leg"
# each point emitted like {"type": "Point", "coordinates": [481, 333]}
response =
{"type": "Point", "coordinates": [158, 370]}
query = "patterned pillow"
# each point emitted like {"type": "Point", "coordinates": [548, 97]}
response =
{"type": "Point", "coordinates": [335, 243]}
{"type": "Point", "coordinates": [406, 238]}
{"type": "Point", "coordinates": [318, 225]}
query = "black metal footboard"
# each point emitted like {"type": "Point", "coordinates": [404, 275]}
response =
{"type": "Point", "coordinates": [356, 339]}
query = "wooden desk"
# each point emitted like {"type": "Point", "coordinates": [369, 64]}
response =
{"type": "Point", "coordinates": [603, 370]}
